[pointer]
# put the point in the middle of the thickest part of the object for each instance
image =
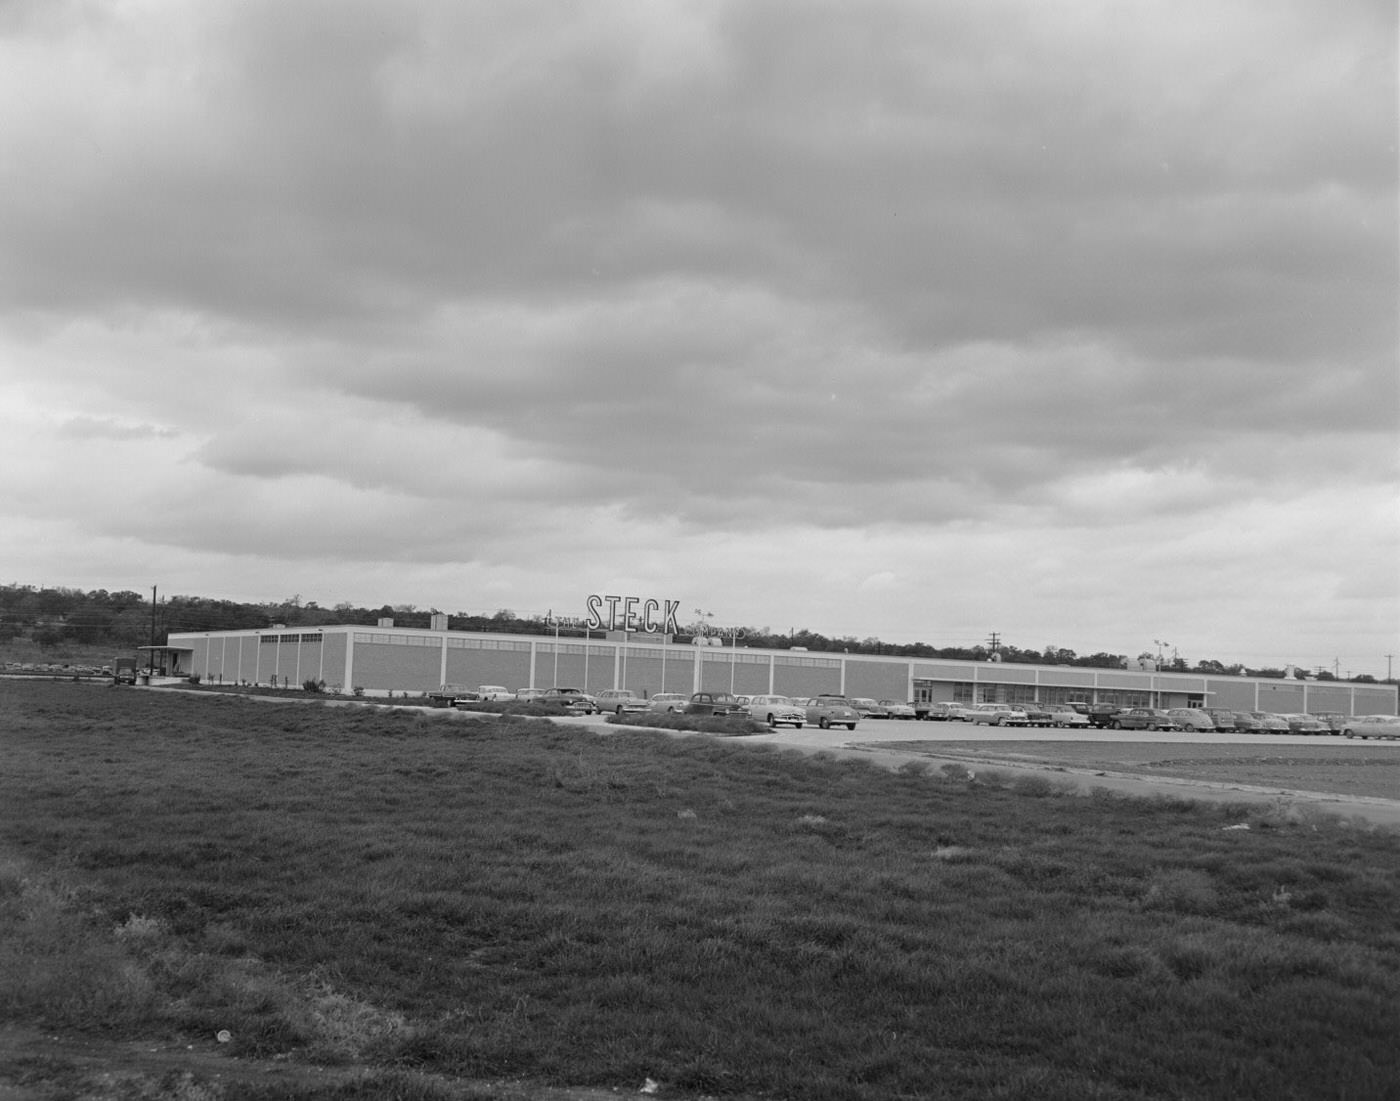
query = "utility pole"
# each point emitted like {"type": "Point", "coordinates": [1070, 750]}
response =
{"type": "Point", "coordinates": [151, 661]}
{"type": "Point", "coordinates": [1387, 667]}
{"type": "Point", "coordinates": [994, 642]}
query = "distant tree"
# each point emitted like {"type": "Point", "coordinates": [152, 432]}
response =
{"type": "Point", "coordinates": [1363, 678]}
{"type": "Point", "coordinates": [47, 637]}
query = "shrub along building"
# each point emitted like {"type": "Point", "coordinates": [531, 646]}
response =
{"type": "Point", "coordinates": [387, 660]}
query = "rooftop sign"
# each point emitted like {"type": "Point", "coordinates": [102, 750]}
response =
{"type": "Point", "coordinates": [632, 614]}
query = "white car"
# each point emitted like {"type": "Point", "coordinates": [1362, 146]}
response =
{"type": "Point", "coordinates": [621, 701]}
{"type": "Point", "coordinates": [998, 714]}
{"type": "Point", "coordinates": [670, 703]}
{"type": "Point", "coordinates": [1372, 726]}
{"type": "Point", "coordinates": [896, 709]}
{"type": "Point", "coordinates": [776, 711]}
{"type": "Point", "coordinates": [495, 692]}
{"type": "Point", "coordinates": [1062, 714]}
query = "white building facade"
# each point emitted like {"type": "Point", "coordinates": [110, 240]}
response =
{"type": "Point", "coordinates": [407, 660]}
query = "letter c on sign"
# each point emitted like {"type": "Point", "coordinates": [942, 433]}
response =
{"type": "Point", "coordinates": [649, 625]}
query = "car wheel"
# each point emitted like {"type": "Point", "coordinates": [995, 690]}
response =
{"type": "Point", "coordinates": [1116, 725]}
{"type": "Point", "coordinates": [850, 726]}
{"type": "Point", "coordinates": [770, 721]}
{"type": "Point", "coordinates": [797, 726]}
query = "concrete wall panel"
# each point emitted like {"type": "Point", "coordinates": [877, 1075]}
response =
{"type": "Point", "coordinates": [878, 680]}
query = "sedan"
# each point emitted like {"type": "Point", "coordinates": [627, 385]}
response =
{"type": "Point", "coordinates": [1062, 715]}
{"type": "Point", "coordinates": [776, 711]}
{"type": "Point", "coordinates": [1144, 718]}
{"type": "Point", "coordinates": [1222, 718]}
{"type": "Point", "coordinates": [829, 711]}
{"type": "Point", "coordinates": [1305, 724]}
{"type": "Point", "coordinates": [1245, 723]}
{"type": "Point", "coordinates": [572, 699]}
{"type": "Point", "coordinates": [897, 709]}
{"type": "Point", "coordinates": [999, 714]}
{"type": "Point", "coordinates": [719, 704]}
{"type": "Point", "coordinates": [868, 709]}
{"type": "Point", "coordinates": [944, 712]}
{"type": "Point", "coordinates": [1190, 718]}
{"type": "Point", "coordinates": [1372, 726]}
{"type": "Point", "coordinates": [1270, 724]}
{"type": "Point", "coordinates": [1037, 714]}
{"type": "Point", "coordinates": [670, 703]}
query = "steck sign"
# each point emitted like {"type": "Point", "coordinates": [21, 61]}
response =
{"type": "Point", "coordinates": [633, 614]}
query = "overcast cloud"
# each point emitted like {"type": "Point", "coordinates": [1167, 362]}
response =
{"type": "Point", "coordinates": [1074, 322]}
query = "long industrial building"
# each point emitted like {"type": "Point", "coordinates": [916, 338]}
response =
{"type": "Point", "coordinates": [388, 660]}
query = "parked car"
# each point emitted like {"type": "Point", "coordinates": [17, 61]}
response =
{"type": "Point", "coordinates": [944, 712]}
{"type": "Point", "coordinates": [671, 703]}
{"type": "Point", "coordinates": [1191, 718]}
{"type": "Point", "coordinates": [621, 701]}
{"type": "Point", "coordinates": [1223, 718]}
{"type": "Point", "coordinates": [1101, 714]}
{"type": "Point", "coordinates": [868, 709]}
{"type": "Point", "coordinates": [1245, 723]}
{"type": "Point", "coordinates": [1062, 715]}
{"type": "Point", "coordinates": [829, 711]}
{"type": "Point", "coordinates": [1143, 718]}
{"type": "Point", "coordinates": [454, 695]}
{"type": "Point", "coordinates": [1372, 726]}
{"type": "Point", "coordinates": [572, 699]}
{"type": "Point", "coordinates": [777, 711]}
{"type": "Point", "coordinates": [720, 704]}
{"type": "Point", "coordinates": [496, 693]}
{"type": "Point", "coordinates": [1305, 724]}
{"type": "Point", "coordinates": [528, 695]}
{"type": "Point", "coordinates": [1269, 723]}
{"type": "Point", "coordinates": [1333, 720]}
{"type": "Point", "coordinates": [1037, 714]}
{"type": "Point", "coordinates": [999, 714]}
{"type": "Point", "coordinates": [898, 709]}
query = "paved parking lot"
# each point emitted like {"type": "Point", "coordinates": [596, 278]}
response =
{"type": "Point", "coordinates": [1337, 775]}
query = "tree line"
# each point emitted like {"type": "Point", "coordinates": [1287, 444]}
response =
{"type": "Point", "coordinates": [52, 617]}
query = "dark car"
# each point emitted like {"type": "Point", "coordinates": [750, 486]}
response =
{"type": "Point", "coordinates": [1037, 714]}
{"type": "Point", "coordinates": [1100, 714]}
{"type": "Point", "coordinates": [943, 712]}
{"type": "Point", "coordinates": [716, 703]}
{"type": "Point", "coordinates": [827, 711]}
{"type": "Point", "coordinates": [573, 699]}
{"type": "Point", "coordinates": [1144, 718]}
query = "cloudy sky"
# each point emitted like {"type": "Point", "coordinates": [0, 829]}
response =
{"type": "Point", "coordinates": [1076, 322]}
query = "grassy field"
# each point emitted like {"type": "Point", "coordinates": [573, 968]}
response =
{"type": "Point", "coordinates": [437, 900]}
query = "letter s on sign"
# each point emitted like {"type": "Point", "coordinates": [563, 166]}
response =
{"type": "Point", "coordinates": [595, 622]}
